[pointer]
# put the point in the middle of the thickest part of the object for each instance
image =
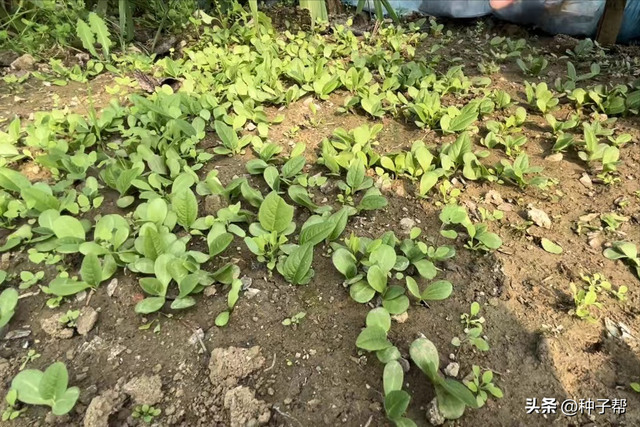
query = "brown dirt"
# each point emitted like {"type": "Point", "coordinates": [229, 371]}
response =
{"type": "Point", "coordinates": [312, 373]}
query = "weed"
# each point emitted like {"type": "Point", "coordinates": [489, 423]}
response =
{"type": "Point", "coordinates": [70, 318]}
{"type": "Point", "coordinates": [29, 357]}
{"type": "Point", "coordinates": [145, 413]}
{"type": "Point", "coordinates": [46, 388]}
{"type": "Point", "coordinates": [473, 329]}
{"type": "Point", "coordinates": [295, 319]}
{"type": "Point", "coordinates": [481, 384]}
{"type": "Point", "coordinates": [11, 412]}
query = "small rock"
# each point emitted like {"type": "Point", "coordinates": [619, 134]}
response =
{"type": "Point", "coordinates": [86, 320]}
{"type": "Point", "coordinates": [407, 224]}
{"type": "Point", "coordinates": [313, 404]}
{"type": "Point", "coordinates": [452, 369]}
{"type": "Point", "coordinates": [405, 364]}
{"type": "Point", "coordinates": [246, 282]}
{"type": "Point", "coordinates": [287, 401]}
{"type": "Point", "coordinates": [434, 416]}
{"type": "Point", "coordinates": [5, 370]}
{"type": "Point", "coordinates": [251, 292]}
{"type": "Point", "coordinates": [244, 409]}
{"type": "Point", "coordinates": [557, 157]}
{"type": "Point", "coordinates": [145, 390]}
{"type": "Point", "coordinates": [25, 62]}
{"type": "Point", "coordinates": [539, 217]}
{"type": "Point", "coordinates": [53, 327]}
{"type": "Point", "coordinates": [210, 291]}
{"type": "Point", "coordinates": [213, 203]}
{"type": "Point", "coordinates": [228, 365]}
{"type": "Point", "coordinates": [585, 180]}
{"type": "Point", "coordinates": [401, 318]}
{"type": "Point", "coordinates": [102, 407]}
{"type": "Point", "coordinates": [157, 369]}
{"type": "Point", "coordinates": [111, 287]}
{"type": "Point", "coordinates": [493, 197]}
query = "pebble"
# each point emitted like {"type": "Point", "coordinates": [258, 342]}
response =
{"type": "Point", "coordinates": [287, 401]}
{"type": "Point", "coordinates": [452, 369]}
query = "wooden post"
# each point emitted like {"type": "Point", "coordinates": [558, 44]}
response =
{"type": "Point", "coordinates": [611, 22]}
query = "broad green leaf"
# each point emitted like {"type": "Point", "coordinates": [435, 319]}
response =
{"type": "Point", "coordinates": [185, 206]}
{"type": "Point", "coordinates": [459, 391]}
{"type": "Point", "coordinates": [297, 266]}
{"type": "Point", "coordinates": [412, 287]}
{"type": "Point", "coordinates": [91, 270]}
{"type": "Point", "coordinates": [377, 278]}
{"type": "Point", "coordinates": [65, 403]}
{"type": "Point", "coordinates": [437, 291]}
{"type": "Point", "coordinates": [396, 403]}
{"type": "Point", "coordinates": [490, 240]}
{"type": "Point", "coordinates": [26, 383]}
{"type": "Point", "coordinates": [149, 305]}
{"type": "Point", "coordinates": [316, 233]}
{"type": "Point", "coordinates": [425, 355]}
{"type": "Point", "coordinates": [450, 407]}
{"type": "Point", "coordinates": [13, 181]}
{"type": "Point", "coordinates": [384, 256]}
{"type": "Point", "coordinates": [426, 269]}
{"type": "Point", "coordinates": [54, 382]}
{"type": "Point", "coordinates": [392, 377]}
{"type": "Point", "coordinates": [345, 263]}
{"type": "Point", "coordinates": [373, 338]}
{"type": "Point", "coordinates": [551, 247]}
{"type": "Point", "coordinates": [396, 305]}
{"type": "Point", "coordinates": [227, 135]}
{"type": "Point", "coordinates": [275, 214]}
{"type": "Point", "coordinates": [222, 319]}
{"type": "Point", "coordinates": [64, 286]}
{"type": "Point", "coordinates": [388, 354]}
{"type": "Point", "coordinates": [361, 292]}
{"type": "Point", "coordinates": [379, 317]}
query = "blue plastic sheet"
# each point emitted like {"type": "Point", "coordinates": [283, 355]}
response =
{"type": "Point", "coordinates": [571, 17]}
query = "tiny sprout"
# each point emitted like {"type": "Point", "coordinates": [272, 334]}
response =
{"type": "Point", "coordinates": [295, 319]}
{"type": "Point", "coordinates": [146, 413]}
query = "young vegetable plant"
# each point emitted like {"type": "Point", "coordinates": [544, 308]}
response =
{"type": "Point", "coordinates": [472, 328]}
{"type": "Point", "coordinates": [584, 301]}
{"type": "Point", "coordinates": [481, 384]}
{"type": "Point", "coordinates": [275, 218]}
{"type": "Point", "coordinates": [625, 251]}
{"type": "Point", "coordinates": [533, 66]}
{"type": "Point", "coordinates": [8, 304]}
{"type": "Point", "coordinates": [374, 338]}
{"type": "Point", "coordinates": [452, 396]}
{"type": "Point", "coordinates": [540, 96]}
{"type": "Point", "coordinates": [11, 412]}
{"type": "Point", "coordinates": [231, 144]}
{"type": "Point", "coordinates": [517, 172]}
{"type": "Point", "coordinates": [48, 388]}
{"type": "Point", "coordinates": [356, 181]}
{"type": "Point", "coordinates": [145, 413]}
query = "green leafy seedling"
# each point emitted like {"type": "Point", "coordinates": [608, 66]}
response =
{"type": "Point", "coordinates": [145, 413]}
{"type": "Point", "coordinates": [473, 329]}
{"type": "Point", "coordinates": [8, 303]}
{"type": "Point", "coordinates": [452, 396]}
{"type": "Point", "coordinates": [295, 319]}
{"type": "Point", "coordinates": [481, 384]}
{"type": "Point", "coordinates": [48, 388]}
{"type": "Point", "coordinates": [626, 252]}
{"type": "Point", "coordinates": [11, 412]}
